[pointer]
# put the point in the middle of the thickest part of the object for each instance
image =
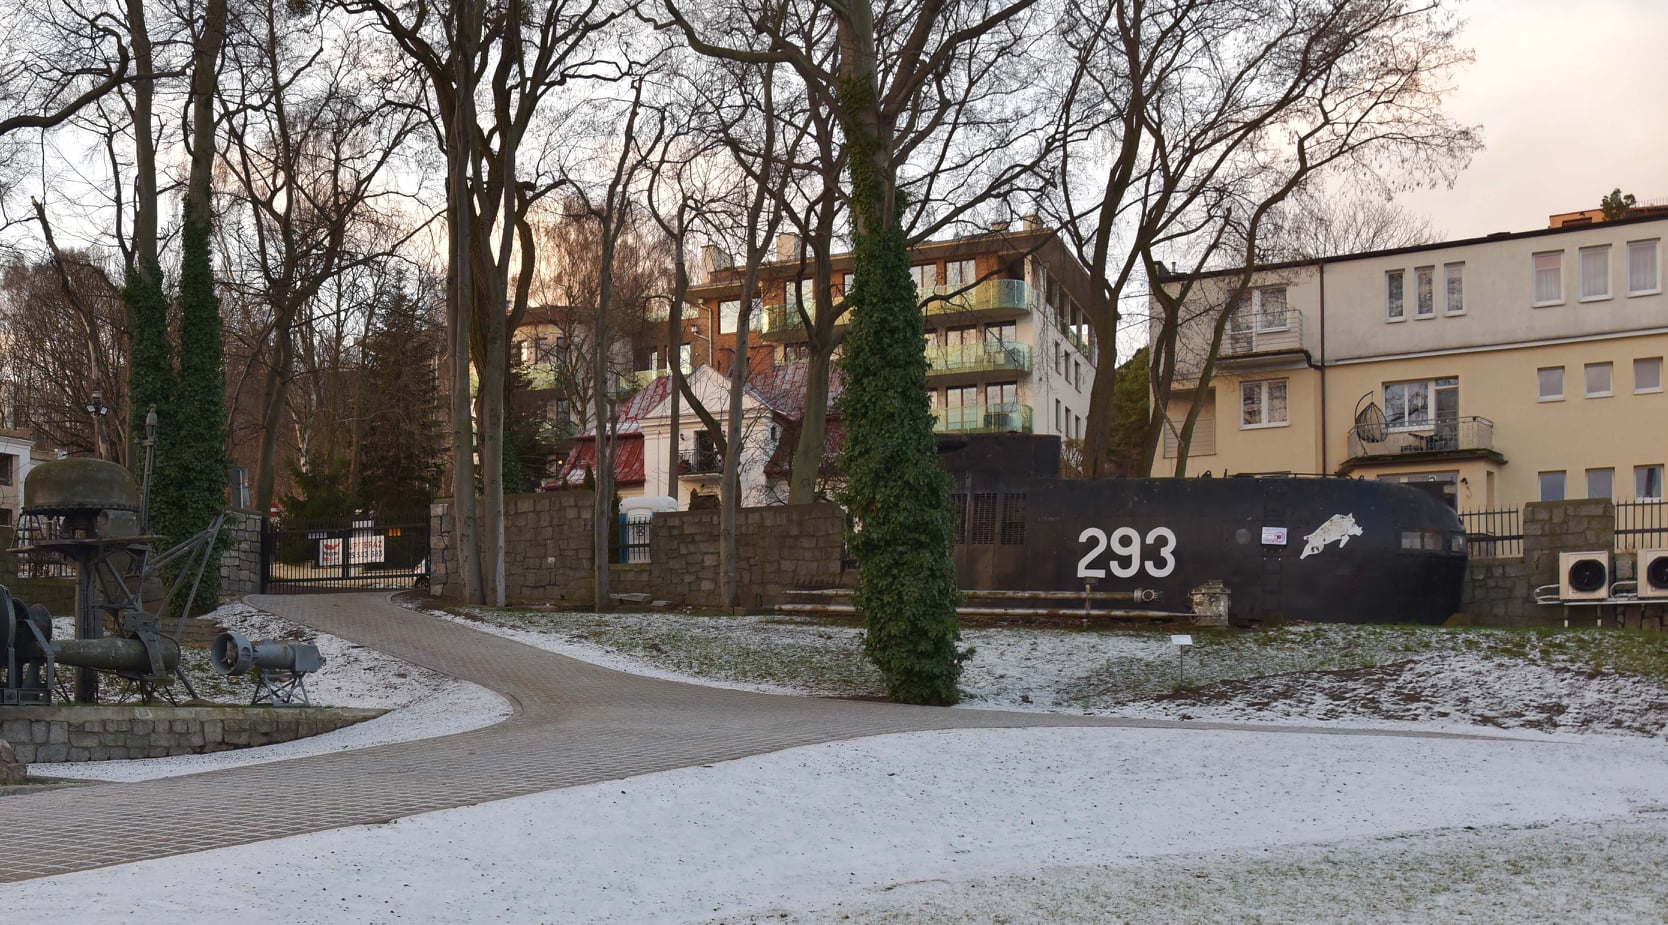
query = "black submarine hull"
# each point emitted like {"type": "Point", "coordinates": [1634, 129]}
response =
{"type": "Point", "coordinates": [1315, 549]}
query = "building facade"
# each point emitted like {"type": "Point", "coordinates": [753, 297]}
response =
{"type": "Point", "coordinates": [1510, 368]}
{"type": "Point", "coordinates": [15, 462]}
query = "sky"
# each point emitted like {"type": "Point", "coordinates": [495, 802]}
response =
{"type": "Point", "coordinates": [1569, 96]}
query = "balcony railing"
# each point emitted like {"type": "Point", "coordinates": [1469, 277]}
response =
{"type": "Point", "coordinates": [990, 295]}
{"type": "Point", "coordinates": [1437, 435]}
{"type": "Point", "coordinates": [1266, 332]}
{"type": "Point", "coordinates": [1005, 417]}
{"type": "Point", "coordinates": [980, 357]}
{"type": "Point", "coordinates": [700, 462]}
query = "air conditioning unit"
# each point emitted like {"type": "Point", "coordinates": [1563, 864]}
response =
{"type": "Point", "coordinates": [1653, 573]}
{"type": "Point", "coordinates": [1584, 576]}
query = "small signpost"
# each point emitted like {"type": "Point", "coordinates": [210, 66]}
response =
{"type": "Point", "coordinates": [1182, 643]}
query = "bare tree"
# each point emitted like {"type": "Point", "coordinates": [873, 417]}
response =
{"type": "Point", "coordinates": [1214, 113]}
{"type": "Point", "coordinates": [1311, 225]}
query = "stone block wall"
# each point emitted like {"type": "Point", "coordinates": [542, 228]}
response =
{"type": "Point", "coordinates": [240, 564]}
{"type": "Point", "coordinates": [548, 555]}
{"type": "Point", "coordinates": [1500, 592]}
{"type": "Point", "coordinates": [96, 733]}
{"type": "Point", "coordinates": [8, 561]}
{"type": "Point", "coordinates": [778, 547]}
{"type": "Point", "coordinates": [548, 548]}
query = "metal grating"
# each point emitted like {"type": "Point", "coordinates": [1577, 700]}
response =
{"type": "Point", "coordinates": [1013, 519]}
{"type": "Point", "coordinates": [958, 510]}
{"type": "Point", "coordinates": [984, 519]}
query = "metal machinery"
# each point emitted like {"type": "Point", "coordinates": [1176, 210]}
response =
{"type": "Point", "coordinates": [281, 668]}
{"type": "Point", "coordinates": [90, 512]}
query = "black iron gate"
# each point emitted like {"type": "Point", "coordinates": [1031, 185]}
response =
{"type": "Point", "coordinates": [362, 553]}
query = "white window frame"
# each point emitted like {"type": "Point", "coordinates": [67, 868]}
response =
{"type": "Point", "coordinates": [1424, 292]}
{"type": "Point", "coordinates": [729, 315]}
{"type": "Point", "coordinates": [1563, 484]}
{"type": "Point", "coordinates": [1609, 377]}
{"type": "Point", "coordinates": [1262, 388]}
{"type": "Point", "coordinates": [1541, 394]}
{"type": "Point", "coordinates": [920, 272]}
{"type": "Point", "coordinates": [1598, 295]}
{"type": "Point", "coordinates": [1641, 476]}
{"type": "Point", "coordinates": [1432, 386]}
{"type": "Point", "coordinates": [1652, 246]}
{"type": "Point", "coordinates": [1395, 299]}
{"type": "Point", "coordinates": [1646, 363]}
{"type": "Point", "coordinates": [1609, 475]}
{"type": "Point", "coordinates": [1453, 273]}
{"type": "Point", "coordinates": [1260, 314]}
{"type": "Point", "coordinates": [1534, 279]}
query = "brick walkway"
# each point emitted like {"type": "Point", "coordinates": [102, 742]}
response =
{"type": "Point", "coordinates": [574, 723]}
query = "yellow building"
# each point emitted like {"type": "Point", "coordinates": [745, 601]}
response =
{"type": "Point", "coordinates": [1510, 368]}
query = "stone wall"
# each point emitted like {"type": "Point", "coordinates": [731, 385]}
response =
{"type": "Point", "coordinates": [549, 552]}
{"type": "Point", "coordinates": [8, 561]}
{"type": "Point", "coordinates": [548, 548]}
{"type": "Point", "coordinates": [778, 547]}
{"type": "Point", "coordinates": [240, 564]}
{"type": "Point", "coordinates": [96, 733]}
{"type": "Point", "coordinates": [1500, 591]}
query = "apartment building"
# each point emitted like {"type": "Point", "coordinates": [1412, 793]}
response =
{"type": "Point", "coordinates": [1008, 343]}
{"type": "Point", "coordinates": [15, 462]}
{"type": "Point", "coordinates": [1509, 368]}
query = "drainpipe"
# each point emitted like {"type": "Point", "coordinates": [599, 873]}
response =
{"type": "Point", "coordinates": [1325, 434]}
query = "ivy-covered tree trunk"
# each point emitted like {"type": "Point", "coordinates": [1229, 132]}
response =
{"type": "Point", "coordinates": [896, 489]}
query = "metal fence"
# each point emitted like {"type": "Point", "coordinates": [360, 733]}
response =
{"type": "Point", "coordinates": [1493, 534]}
{"type": "Point", "coordinates": [634, 540]}
{"type": "Point", "coordinates": [1641, 525]}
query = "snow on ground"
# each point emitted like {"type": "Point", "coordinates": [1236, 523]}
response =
{"type": "Point", "coordinates": [1081, 825]}
{"type": "Point", "coordinates": [421, 704]}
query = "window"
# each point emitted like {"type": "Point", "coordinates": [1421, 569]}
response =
{"type": "Point", "coordinates": [729, 316]}
{"type": "Point", "coordinates": [1549, 278]}
{"type": "Point", "coordinates": [1409, 405]}
{"type": "Point", "coordinates": [8, 468]}
{"type": "Point", "coordinates": [1454, 273]}
{"type": "Point", "coordinates": [1647, 483]}
{"type": "Point", "coordinates": [925, 276]}
{"type": "Point", "coordinates": [850, 280]}
{"type": "Point", "coordinates": [1552, 486]}
{"type": "Point", "coordinates": [1059, 358]}
{"type": "Point", "coordinates": [1642, 276]}
{"type": "Point", "coordinates": [1425, 281]}
{"type": "Point", "coordinates": [1001, 335]}
{"type": "Point", "coordinates": [1393, 295]}
{"type": "Point", "coordinates": [1595, 273]}
{"type": "Point", "coordinates": [1598, 380]}
{"type": "Point", "coordinates": [1647, 375]}
{"type": "Point", "coordinates": [1271, 308]}
{"type": "Point", "coordinates": [1002, 393]}
{"type": "Point", "coordinates": [955, 337]}
{"type": "Point", "coordinates": [686, 358]}
{"type": "Point", "coordinates": [959, 273]}
{"type": "Point", "coordinates": [1600, 483]}
{"type": "Point", "coordinates": [1551, 383]}
{"type": "Point", "coordinates": [1079, 367]}
{"type": "Point", "coordinates": [1080, 427]}
{"type": "Point", "coordinates": [1059, 417]}
{"type": "Point", "coordinates": [1262, 404]}
{"type": "Point", "coordinates": [1068, 372]}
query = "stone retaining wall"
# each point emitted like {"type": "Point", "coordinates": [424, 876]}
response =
{"type": "Point", "coordinates": [100, 733]}
{"type": "Point", "coordinates": [549, 552]}
{"type": "Point", "coordinates": [1500, 592]}
{"type": "Point", "coordinates": [240, 564]}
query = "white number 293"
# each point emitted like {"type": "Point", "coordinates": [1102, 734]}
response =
{"type": "Point", "coordinates": [1127, 559]}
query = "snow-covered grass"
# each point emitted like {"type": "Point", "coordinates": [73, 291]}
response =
{"type": "Point", "coordinates": [421, 703]}
{"type": "Point", "coordinates": [1041, 825]}
{"type": "Point", "coordinates": [1583, 680]}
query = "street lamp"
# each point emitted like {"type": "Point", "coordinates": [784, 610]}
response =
{"type": "Point", "coordinates": [97, 409]}
{"type": "Point", "coordinates": [695, 331]}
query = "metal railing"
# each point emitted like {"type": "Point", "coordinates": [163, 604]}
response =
{"type": "Point", "coordinates": [700, 462]}
{"type": "Point", "coordinates": [1641, 525]}
{"type": "Point", "coordinates": [1422, 436]}
{"type": "Point", "coordinates": [992, 294]}
{"type": "Point", "coordinates": [980, 357]}
{"type": "Point", "coordinates": [1268, 332]}
{"type": "Point", "coordinates": [1004, 417]}
{"type": "Point", "coordinates": [634, 540]}
{"type": "Point", "coordinates": [1493, 534]}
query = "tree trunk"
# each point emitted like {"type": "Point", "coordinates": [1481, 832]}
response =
{"type": "Point", "coordinates": [460, 226]}
{"type": "Point", "coordinates": [809, 452]}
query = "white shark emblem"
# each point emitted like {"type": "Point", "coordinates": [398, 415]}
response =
{"type": "Point", "coordinates": [1338, 527]}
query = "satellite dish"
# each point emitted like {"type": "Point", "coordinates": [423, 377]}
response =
{"type": "Point", "coordinates": [1369, 421]}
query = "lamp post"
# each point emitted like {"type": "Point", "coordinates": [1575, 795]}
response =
{"type": "Point", "coordinates": [695, 331]}
{"type": "Point", "coordinates": [96, 408]}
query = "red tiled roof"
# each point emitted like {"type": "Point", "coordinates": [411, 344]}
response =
{"type": "Point", "coordinates": [628, 461]}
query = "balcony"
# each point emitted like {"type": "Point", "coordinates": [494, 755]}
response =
{"type": "Point", "coordinates": [1006, 417]}
{"type": "Point", "coordinates": [1440, 438]}
{"type": "Point", "coordinates": [1008, 297]}
{"type": "Point", "coordinates": [704, 461]}
{"type": "Point", "coordinates": [978, 358]}
{"type": "Point", "coordinates": [1261, 335]}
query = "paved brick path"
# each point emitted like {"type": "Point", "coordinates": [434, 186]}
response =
{"type": "Point", "coordinates": [574, 723]}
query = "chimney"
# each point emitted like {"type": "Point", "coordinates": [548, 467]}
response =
{"type": "Point", "coordinates": [787, 247]}
{"type": "Point", "coordinates": [1031, 222]}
